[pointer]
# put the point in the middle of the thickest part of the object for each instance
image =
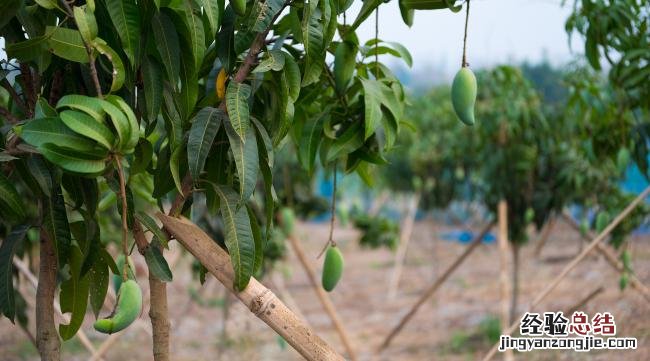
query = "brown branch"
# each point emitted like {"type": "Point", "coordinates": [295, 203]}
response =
{"type": "Point", "coordinates": [17, 99]}
{"type": "Point", "coordinates": [30, 88]}
{"type": "Point", "coordinates": [47, 337]}
{"type": "Point", "coordinates": [8, 115]}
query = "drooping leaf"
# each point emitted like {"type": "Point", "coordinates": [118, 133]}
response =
{"type": "Point", "coordinates": [153, 87]}
{"type": "Point", "coordinates": [237, 95]}
{"type": "Point", "coordinates": [52, 130]}
{"type": "Point", "coordinates": [74, 296]}
{"type": "Point", "coordinates": [119, 73]}
{"type": "Point", "coordinates": [372, 100]}
{"type": "Point", "coordinates": [85, 125]}
{"type": "Point", "coordinates": [313, 42]}
{"type": "Point", "coordinates": [157, 264]}
{"type": "Point", "coordinates": [168, 45]}
{"type": "Point", "coordinates": [67, 44]}
{"type": "Point", "coordinates": [151, 225]}
{"type": "Point", "coordinates": [126, 19]}
{"type": "Point", "coordinates": [264, 12]}
{"type": "Point", "coordinates": [344, 64]}
{"type": "Point", "coordinates": [244, 152]}
{"type": "Point", "coordinates": [7, 250]}
{"type": "Point", "coordinates": [193, 33]}
{"type": "Point", "coordinates": [274, 61]}
{"type": "Point", "coordinates": [78, 162]}
{"type": "Point", "coordinates": [202, 133]}
{"type": "Point", "coordinates": [91, 106]}
{"type": "Point", "coordinates": [213, 10]}
{"type": "Point", "coordinates": [55, 220]}
{"type": "Point", "coordinates": [86, 22]}
{"type": "Point", "coordinates": [239, 237]}
{"type": "Point", "coordinates": [310, 139]}
{"type": "Point", "coordinates": [258, 239]}
{"type": "Point", "coordinates": [98, 284]}
{"type": "Point", "coordinates": [350, 140]}
{"type": "Point", "coordinates": [10, 200]}
{"type": "Point", "coordinates": [8, 9]}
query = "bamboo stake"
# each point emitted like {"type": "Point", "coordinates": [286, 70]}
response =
{"type": "Point", "coordinates": [379, 202]}
{"type": "Point", "coordinates": [404, 240]}
{"type": "Point", "coordinates": [434, 287]}
{"type": "Point", "coordinates": [277, 281]}
{"type": "Point", "coordinates": [546, 232]}
{"type": "Point", "coordinates": [594, 243]}
{"type": "Point", "coordinates": [259, 299]}
{"type": "Point", "coordinates": [24, 269]}
{"type": "Point", "coordinates": [322, 296]}
{"type": "Point", "coordinates": [590, 296]}
{"type": "Point", "coordinates": [611, 259]}
{"type": "Point", "coordinates": [504, 281]}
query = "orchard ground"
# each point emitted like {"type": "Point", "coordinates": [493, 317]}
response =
{"type": "Point", "coordinates": [453, 325]}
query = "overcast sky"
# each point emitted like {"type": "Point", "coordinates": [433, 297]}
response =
{"type": "Point", "coordinates": [500, 31]}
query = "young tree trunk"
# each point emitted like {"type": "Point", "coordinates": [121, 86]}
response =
{"type": "Point", "coordinates": [159, 320]}
{"type": "Point", "coordinates": [503, 243]}
{"type": "Point", "coordinates": [515, 282]}
{"type": "Point", "coordinates": [47, 338]}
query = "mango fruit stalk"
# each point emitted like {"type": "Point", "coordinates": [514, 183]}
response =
{"type": "Point", "coordinates": [127, 310]}
{"type": "Point", "coordinates": [332, 268]}
{"type": "Point", "coordinates": [463, 95]}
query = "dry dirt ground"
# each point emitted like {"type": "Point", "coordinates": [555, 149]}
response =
{"type": "Point", "coordinates": [448, 326]}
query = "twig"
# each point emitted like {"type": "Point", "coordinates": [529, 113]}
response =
{"type": "Point", "coordinates": [594, 243]}
{"type": "Point", "coordinates": [8, 115]}
{"type": "Point", "coordinates": [464, 61]}
{"type": "Point", "coordinates": [21, 104]}
{"type": "Point", "coordinates": [125, 226]}
{"type": "Point", "coordinates": [580, 304]}
{"type": "Point", "coordinates": [330, 238]}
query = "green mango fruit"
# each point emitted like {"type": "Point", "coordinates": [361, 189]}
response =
{"type": "Point", "coordinates": [129, 306]}
{"type": "Point", "coordinates": [288, 220]}
{"type": "Point", "coordinates": [602, 220]}
{"type": "Point", "coordinates": [239, 6]}
{"type": "Point", "coordinates": [332, 268]}
{"type": "Point", "coordinates": [623, 159]}
{"type": "Point", "coordinates": [624, 280]}
{"type": "Point", "coordinates": [117, 279]}
{"type": "Point", "coordinates": [407, 14]}
{"type": "Point", "coordinates": [463, 95]}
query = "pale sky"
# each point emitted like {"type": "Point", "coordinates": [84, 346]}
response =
{"type": "Point", "coordinates": [500, 31]}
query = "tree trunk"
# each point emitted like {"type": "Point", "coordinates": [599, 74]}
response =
{"type": "Point", "coordinates": [159, 320]}
{"type": "Point", "coordinates": [515, 282]}
{"type": "Point", "coordinates": [47, 338]}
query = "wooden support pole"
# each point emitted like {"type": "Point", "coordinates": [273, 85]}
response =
{"type": "Point", "coordinates": [504, 281]}
{"type": "Point", "coordinates": [259, 299]}
{"type": "Point", "coordinates": [435, 286]}
{"type": "Point", "coordinates": [594, 243]}
{"type": "Point", "coordinates": [610, 258]}
{"type": "Point", "coordinates": [581, 303]}
{"type": "Point", "coordinates": [404, 240]}
{"type": "Point", "coordinates": [546, 232]}
{"type": "Point", "coordinates": [322, 296]}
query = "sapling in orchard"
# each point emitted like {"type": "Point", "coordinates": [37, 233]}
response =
{"type": "Point", "coordinates": [463, 89]}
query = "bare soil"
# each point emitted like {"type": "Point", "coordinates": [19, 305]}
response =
{"type": "Point", "coordinates": [447, 327]}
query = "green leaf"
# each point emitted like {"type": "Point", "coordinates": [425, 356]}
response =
{"type": "Point", "coordinates": [43, 109]}
{"type": "Point", "coordinates": [157, 264]}
{"type": "Point", "coordinates": [313, 42]}
{"type": "Point", "coordinates": [52, 130]}
{"type": "Point", "coordinates": [275, 62]}
{"type": "Point", "coordinates": [87, 104]}
{"type": "Point", "coordinates": [74, 296]}
{"type": "Point", "coordinates": [202, 133]}
{"type": "Point", "coordinates": [126, 19]}
{"type": "Point", "coordinates": [84, 124]}
{"type": "Point", "coordinates": [121, 124]}
{"type": "Point", "coordinates": [8, 9]}
{"type": "Point", "coordinates": [292, 74]}
{"type": "Point", "coordinates": [266, 142]}
{"type": "Point", "coordinates": [349, 141]}
{"type": "Point", "coordinates": [86, 22]}
{"type": "Point", "coordinates": [153, 87]}
{"type": "Point", "coordinates": [7, 250]}
{"type": "Point", "coordinates": [98, 284]}
{"type": "Point", "coordinates": [132, 121]}
{"type": "Point", "coordinates": [151, 225]}
{"type": "Point", "coordinates": [310, 139]}
{"type": "Point", "coordinates": [403, 53]}
{"type": "Point", "coordinates": [35, 49]}
{"type": "Point", "coordinates": [238, 237]}
{"type": "Point", "coordinates": [67, 44]}
{"type": "Point", "coordinates": [196, 38]}
{"type": "Point", "coordinates": [264, 11]}
{"type": "Point", "coordinates": [55, 220]}
{"type": "Point", "coordinates": [372, 97]}
{"type": "Point", "coordinates": [119, 73]}
{"type": "Point", "coordinates": [74, 161]}
{"type": "Point", "coordinates": [168, 46]}
{"type": "Point", "coordinates": [11, 201]}
{"type": "Point", "coordinates": [258, 240]}
{"type": "Point", "coordinates": [344, 64]}
{"type": "Point", "coordinates": [237, 95]}
{"type": "Point", "coordinates": [189, 88]}
{"type": "Point", "coordinates": [47, 4]}
{"type": "Point", "coordinates": [174, 167]}
{"type": "Point", "coordinates": [213, 10]}
{"type": "Point", "coordinates": [244, 152]}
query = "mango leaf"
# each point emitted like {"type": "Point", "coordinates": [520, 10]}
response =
{"type": "Point", "coordinates": [264, 143]}
{"type": "Point", "coordinates": [52, 130]}
{"type": "Point", "coordinates": [86, 22]}
{"type": "Point", "coordinates": [202, 133]}
{"type": "Point", "coordinates": [237, 95]}
{"type": "Point", "coordinates": [132, 121]}
{"type": "Point", "coordinates": [35, 49]}
{"type": "Point", "coordinates": [119, 74]}
{"type": "Point", "coordinates": [189, 88]}
{"type": "Point", "coordinates": [8, 9]}
{"type": "Point", "coordinates": [153, 88]}
{"type": "Point", "coordinates": [74, 296]}
{"type": "Point", "coordinates": [174, 167]}
{"type": "Point", "coordinates": [264, 12]}
{"type": "Point", "coordinates": [10, 200]}
{"type": "Point", "coordinates": [344, 64]}
{"type": "Point", "coordinates": [126, 19]}
{"type": "Point", "coordinates": [292, 74]}
{"type": "Point", "coordinates": [244, 152]}
{"type": "Point", "coordinates": [67, 44]}
{"type": "Point", "coordinates": [213, 10]}
{"type": "Point", "coordinates": [310, 138]}
{"type": "Point", "coordinates": [313, 42]}
{"type": "Point", "coordinates": [83, 124]}
{"type": "Point", "coordinates": [239, 236]}
{"type": "Point", "coordinates": [275, 62]}
{"type": "Point", "coordinates": [87, 104]}
{"type": "Point", "coordinates": [151, 225]}
{"type": "Point", "coordinates": [71, 160]}
{"type": "Point", "coordinates": [43, 109]}
{"type": "Point", "coordinates": [98, 284]}
{"type": "Point", "coordinates": [349, 141]}
{"type": "Point", "coordinates": [7, 250]}
{"type": "Point", "coordinates": [258, 239]}
{"type": "Point", "coordinates": [168, 45]}
{"type": "Point", "coordinates": [120, 122]}
{"type": "Point", "coordinates": [194, 35]}
{"type": "Point", "coordinates": [226, 40]}
{"type": "Point", "coordinates": [372, 97]}
{"type": "Point", "coordinates": [157, 264]}
{"type": "Point", "coordinates": [55, 220]}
